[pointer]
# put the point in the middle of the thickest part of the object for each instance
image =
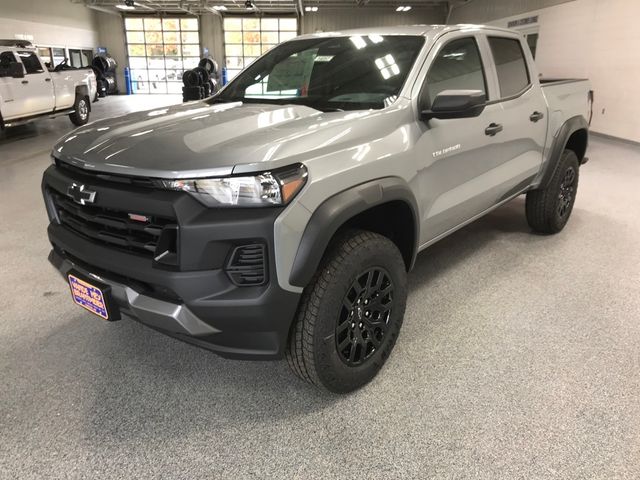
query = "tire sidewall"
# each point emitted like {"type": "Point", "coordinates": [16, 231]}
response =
{"type": "Point", "coordinates": [332, 371]}
{"type": "Point", "coordinates": [568, 159]}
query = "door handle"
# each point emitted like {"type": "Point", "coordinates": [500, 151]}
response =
{"type": "Point", "coordinates": [492, 129]}
{"type": "Point", "coordinates": [24, 82]}
{"type": "Point", "coordinates": [47, 79]}
{"type": "Point", "coordinates": [535, 116]}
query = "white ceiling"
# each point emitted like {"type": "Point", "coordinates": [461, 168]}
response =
{"type": "Point", "coordinates": [265, 6]}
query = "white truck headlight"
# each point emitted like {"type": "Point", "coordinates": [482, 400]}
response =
{"type": "Point", "coordinates": [260, 190]}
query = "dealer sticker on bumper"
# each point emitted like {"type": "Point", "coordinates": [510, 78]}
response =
{"type": "Point", "coordinates": [88, 296]}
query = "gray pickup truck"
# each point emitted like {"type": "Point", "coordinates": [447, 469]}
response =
{"type": "Point", "coordinates": [279, 218]}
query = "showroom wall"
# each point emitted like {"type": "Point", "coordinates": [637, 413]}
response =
{"type": "Point", "coordinates": [593, 39]}
{"type": "Point", "coordinates": [50, 22]}
{"type": "Point", "coordinates": [111, 36]}
{"type": "Point", "coordinates": [481, 11]}
{"type": "Point", "coordinates": [326, 20]}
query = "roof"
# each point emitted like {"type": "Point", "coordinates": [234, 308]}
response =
{"type": "Point", "coordinates": [404, 30]}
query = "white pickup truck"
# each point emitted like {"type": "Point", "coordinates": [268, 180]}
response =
{"type": "Point", "coordinates": [29, 89]}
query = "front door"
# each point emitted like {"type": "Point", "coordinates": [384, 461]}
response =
{"type": "Point", "coordinates": [9, 87]}
{"type": "Point", "coordinates": [456, 156]}
{"type": "Point", "coordinates": [36, 95]}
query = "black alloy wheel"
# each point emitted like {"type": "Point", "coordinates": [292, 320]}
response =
{"type": "Point", "coordinates": [364, 316]}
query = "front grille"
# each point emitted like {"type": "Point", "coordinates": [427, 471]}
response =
{"type": "Point", "coordinates": [115, 228]}
{"type": "Point", "coordinates": [81, 173]}
{"type": "Point", "coordinates": [247, 265]}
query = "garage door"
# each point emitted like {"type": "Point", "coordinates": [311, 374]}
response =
{"type": "Point", "coordinates": [159, 50]}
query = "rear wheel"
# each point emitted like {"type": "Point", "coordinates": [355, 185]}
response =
{"type": "Point", "coordinates": [350, 314]}
{"type": "Point", "coordinates": [80, 116]}
{"type": "Point", "coordinates": [548, 210]}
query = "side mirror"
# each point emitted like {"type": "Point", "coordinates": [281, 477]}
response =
{"type": "Point", "coordinates": [456, 104]}
{"type": "Point", "coordinates": [15, 70]}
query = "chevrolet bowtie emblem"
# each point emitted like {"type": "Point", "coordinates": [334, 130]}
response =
{"type": "Point", "coordinates": [80, 195]}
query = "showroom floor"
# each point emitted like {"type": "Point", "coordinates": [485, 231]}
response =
{"type": "Point", "coordinates": [519, 358]}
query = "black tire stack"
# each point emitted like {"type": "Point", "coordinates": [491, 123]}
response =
{"type": "Point", "coordinates": [200, 82]}
{"type": "Point", "coordinates": [105, 71]}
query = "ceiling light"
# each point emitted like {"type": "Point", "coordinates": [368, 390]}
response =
{"type": "Point", "coordinates": [310, 9]}
{"type": "Point", "coordinates": [125, 7]}
{"type": "Point", "coordinates": [403, 9]}
{"type": "Point", "coordinates": [219, 8]}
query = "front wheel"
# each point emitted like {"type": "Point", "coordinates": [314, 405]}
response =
{"type": "Point", "coordinates": [350, 314]}
{"type": "Point", "coordinates": [80, 115]}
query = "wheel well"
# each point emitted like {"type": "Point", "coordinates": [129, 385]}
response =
{"type": "Point", "coordinates": [578, 143]}
{"type": "Point", "coordinates": [394, 220]}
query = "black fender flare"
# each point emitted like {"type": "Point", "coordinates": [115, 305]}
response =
{"type": "Point", "coordinates": [560, 140]}
{"type": "Point", "coordinates": [334, 212]}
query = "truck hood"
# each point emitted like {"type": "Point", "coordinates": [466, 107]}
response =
{"type": "Point", "coordinates": [198, 139]}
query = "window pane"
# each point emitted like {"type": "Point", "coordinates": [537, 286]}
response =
{"type": "Point", "coordinates": [140, 75]}
{"type": "Point", "coordinates": [136, 50]}
{"type": "Point", "coordinates": [170, 24]}
{"type": "Point", "coordinates": [172, 50]}
{"type": "Point", "coordinates": [287, 36]}
{"type": "Point", "coordinates": [189, 24]}
{"type": "Point", "coordinates": [251, 24]}
{"type": "Point", "coordinates": [152, 24]}
{"type": "Point", "coordinates": [45, 55]}
{"type": "Point", "coordinates": [510, 65]}
{"type": "Point", "coordinates": [230, 50]}
{"type": "Point", "coordinates": [190, 37]}
{"type": "Point", "coordinates": [137, 62]}
{"type": "Point", "coordinates": [233, 37]}
{"type": "Point", "coordinates": [269, 37]}
{"type": "Point", "coordinates": [191, 50]}
{"type": "Point", "coordinates": [171, 37]}
{"type": "Point", "coordinates": [155, 62]}
{"type": "Point", "coordinates": [235, 62]}
{"type": "Point", "coordinates": [133, 23]}
{"type": "Point", "coordinates": [153, 37]}
{"type": "Point", "coordinates": [135, 37]}
{"type": "Point", "coordinates": [269, 24]}
{"type": "Point", "coordinates": [154, 50]}
{"type": "Point", "coordinates": [157, 75]}
{"type": "Point", "coordinates": [191, 62]}
{"type": "Point", "coordinates": [251, 37]}
{"type": "Point", "coordinates": [457, 67]}
{"type": "Point", "coordinates": [252, 50]}
{"type": "Point", "coordinates": [231, 23]}
{"type": "Point", "coordinates": [289, 24]}
{"type": "Point", "coordinates": [173, 63]}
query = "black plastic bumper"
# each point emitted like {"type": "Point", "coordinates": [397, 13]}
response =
{"type": "Point", "coordinates": [196, 301]}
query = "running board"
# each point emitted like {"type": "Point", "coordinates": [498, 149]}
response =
{"type": "Point", "coordinates": [25, 120]}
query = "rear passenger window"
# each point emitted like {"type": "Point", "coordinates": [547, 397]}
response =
{"type": "Point", "coordinates": [511, 66]}
{"type": "Point", "coordinates": [30, 62]}
{"type": "Point", "coordinates": [456, 67]}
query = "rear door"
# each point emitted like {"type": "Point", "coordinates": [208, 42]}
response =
{"type": "Point", "coordinates": [523, 113]}
{"type": "Point", "coordinates": [456, 157]}
{"type": "Point", "coordinates": [36, 95]}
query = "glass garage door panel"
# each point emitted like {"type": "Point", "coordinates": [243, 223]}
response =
{"type": "Point", "coordinates": [246, 38]}
{"type": "Point", "coordinates": [160, 50]}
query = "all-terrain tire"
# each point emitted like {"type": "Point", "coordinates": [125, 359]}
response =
{"type": "Point", "coordinates": [80, 115]}
{"type": "Point", "coordinates": [316, 351]}
{"type": "Point", "coordinates": [548, 209]}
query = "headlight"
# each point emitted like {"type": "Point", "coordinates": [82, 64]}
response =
{"type": "Point", "coordinates": [265, 189]}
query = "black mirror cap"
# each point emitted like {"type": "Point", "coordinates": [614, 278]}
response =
{"type": "Point", "coordinates": [456, 104]}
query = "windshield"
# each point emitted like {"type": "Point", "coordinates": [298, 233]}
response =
{"type": "Point", "coordinates": [330, 74]}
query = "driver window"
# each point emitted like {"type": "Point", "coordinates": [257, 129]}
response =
{"type": "Point", "coordinates": [456, 67]}
{"type": "Point", "coordinates": [31, 62]}
{"type": "Point", "coordinates": [6, 59]}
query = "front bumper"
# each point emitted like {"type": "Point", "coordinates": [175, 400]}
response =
{"type": "Point", "coordinates": [195, 301]}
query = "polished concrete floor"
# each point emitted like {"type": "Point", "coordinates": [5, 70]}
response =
{"type": "Point", "coordinates": [519, 358]}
